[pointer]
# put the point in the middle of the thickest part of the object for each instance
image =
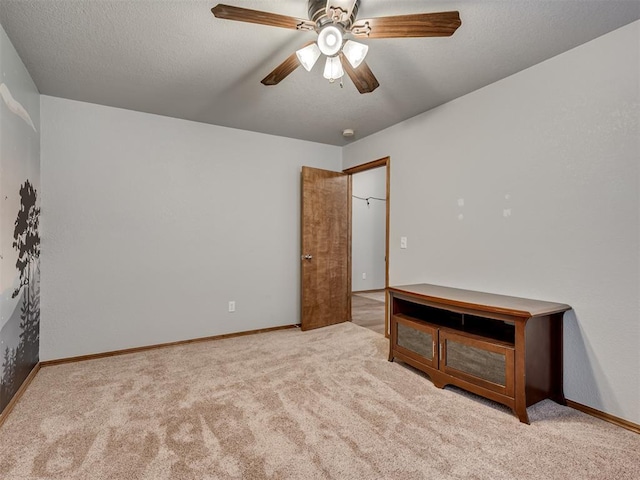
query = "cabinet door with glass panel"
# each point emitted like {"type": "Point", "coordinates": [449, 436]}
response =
{"type": "Point", "coordinates": [417, 340]}
{"type": "Point", "coordinates": [487, 363]}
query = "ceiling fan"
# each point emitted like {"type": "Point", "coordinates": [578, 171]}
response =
{"type": "Point", "coordinates": [335, 22]}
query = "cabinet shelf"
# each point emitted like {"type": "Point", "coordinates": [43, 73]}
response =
{"type": "Point", "coordinates": [507, 349]}
{"type": "Point", "coordinates": [499, 330]}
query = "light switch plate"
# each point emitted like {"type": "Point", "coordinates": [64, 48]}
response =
{"type": "Point", "coordinates": [403, 242]}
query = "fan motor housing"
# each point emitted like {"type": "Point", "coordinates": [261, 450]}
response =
{"type": "Point", "coordinates": [318, 13]}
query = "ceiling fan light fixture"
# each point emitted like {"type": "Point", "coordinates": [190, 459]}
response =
{"type": "Point", "coordinates": [333, 69]}
{"type": "Point", "coordinates": [332, 20]}
{"type": "Point", "coordinates": [355, 52]}
{"type": "Point", "coordinates": [308, 56]}
{"type": "Point", "coordinates": [330, 40]}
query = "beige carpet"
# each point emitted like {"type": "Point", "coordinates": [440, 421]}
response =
{"type": "Point", "coordinates": [289, 404]}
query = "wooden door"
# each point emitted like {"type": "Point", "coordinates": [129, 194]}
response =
{"type": "Point", "coordinates": [326, 275]}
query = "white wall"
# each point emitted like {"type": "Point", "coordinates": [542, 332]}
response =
{"type": "Point", "coordinates": [152, 224]}
{"type": "Point", "coordinates": [368, 234]}
{"type": "Point", "coordinates": [558, 145]}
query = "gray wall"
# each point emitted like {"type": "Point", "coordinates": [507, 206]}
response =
{"type": "Point", "coordinates": [368, 235]}
{"type": "Point", "coordinates": [557, 147]}
{"type": "Point", "coordinates": [153, 224]}
{"type": "Point", "coordinates": [19, 167]}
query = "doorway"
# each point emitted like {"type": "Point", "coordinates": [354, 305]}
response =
{"type": "Point", "coordinates": [370, 244]}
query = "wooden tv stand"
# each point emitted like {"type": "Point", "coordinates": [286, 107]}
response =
{"type": "Point", "coordinates": [507, 349]}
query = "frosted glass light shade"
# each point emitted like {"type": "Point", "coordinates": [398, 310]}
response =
{"type": "Point", "coordinates": [333, 69]}
{"type": "Point", "coordinates": [330, 40]}
{"type": "Point", "coordinates": [355, 52]}
{"type": "Point", "coordinates": [308, 56]}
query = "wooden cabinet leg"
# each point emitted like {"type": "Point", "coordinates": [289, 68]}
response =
{"type": "Point", "coordinates": [522, 415]}
{"type": "Point", "coordinates": [438, 383]}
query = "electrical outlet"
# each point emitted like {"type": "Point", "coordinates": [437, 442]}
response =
{"type": "Point", "coordinates": [364, 276]}
{"type": "Point", "coordinates": [232, 306]}
{"type": "Point", "coordinates": [403, 242]}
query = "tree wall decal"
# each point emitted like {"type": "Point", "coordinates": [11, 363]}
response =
{"type": "Point", "coordinates": [26, 235]}
{"type": "Point", "coordinates": [7, 386]}
{"type": "Point", "coordinates": [18, 362]}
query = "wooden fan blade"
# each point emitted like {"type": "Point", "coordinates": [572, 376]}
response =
{"type": "Point", "coordinates": [282, 71]}
{"type": "Point", "coordinates": [229, 12]}
{"type": "Point", "coordinates": [362, 77]}
{"type": "Point", "coordinates": [442, 24]}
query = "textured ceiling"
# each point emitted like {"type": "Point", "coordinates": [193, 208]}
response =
{"type": "Point", "coordinates": [174, 58]}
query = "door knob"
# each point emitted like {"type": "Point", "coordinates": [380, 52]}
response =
{"type": "Point", "coordinates": [307, 257]}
